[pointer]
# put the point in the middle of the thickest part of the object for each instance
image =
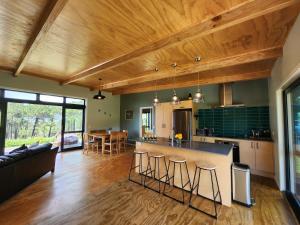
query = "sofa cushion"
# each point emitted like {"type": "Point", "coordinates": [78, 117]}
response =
{"type": "Point", "coordinates": [33, 145]}
{"type": "Point", "coordinates": [21, 148]}
{"type": "Point", "coordinates": [4, 160]}
{"type": "Point", "coordinates": [17, 155]}
{"type": "Point", "coordinates": [39, 148]}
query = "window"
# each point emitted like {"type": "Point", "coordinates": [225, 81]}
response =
{"type": "Point", "coordinates": [28, 123]}
{"type": "Point", "coordinates": [19, 95]}
{"type": "Point", "coordinates": [27, 118]}
{"type": "Point", "coordinates": [75, 101]}
{"type": "Point", "coordinates": [51, 98]}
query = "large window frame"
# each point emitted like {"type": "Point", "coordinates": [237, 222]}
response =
{"type": "Point", "coordinates": [4, 101]}
{"type": "Point", "coordinates": [289, 195]}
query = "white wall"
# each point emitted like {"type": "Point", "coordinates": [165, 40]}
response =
{"type": "Point", "coordinates": [285, 71]}
{"type": "Point", "coordinates": [95, 113]}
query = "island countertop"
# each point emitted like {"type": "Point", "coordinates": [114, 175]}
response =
{"type": "Point", "coordinates": [223, 149]}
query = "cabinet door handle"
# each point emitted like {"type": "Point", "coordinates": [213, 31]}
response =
{"type": "Point", "coordinates": [251, 144]}
{"type": "Point", "coordinates": [257, 145]}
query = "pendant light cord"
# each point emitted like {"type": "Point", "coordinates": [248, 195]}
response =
{"type": "Point", "coordinates": [198, 82]}
{"type": "Point", "coordinates": [174, 65]}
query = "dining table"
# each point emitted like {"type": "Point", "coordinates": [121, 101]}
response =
{"type": "Point", "coordinates": [102, 136]}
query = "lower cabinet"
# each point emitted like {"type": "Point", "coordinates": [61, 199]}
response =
{"type": "Point", "coordinates": [259, 155]}
{"type": "Point", "coordinates": [247, 153]}
{"type": "Point", "coordinates": [264, 153]}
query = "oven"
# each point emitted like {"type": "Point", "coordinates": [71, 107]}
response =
{"type": "Point", "coordinates": [235, 150]}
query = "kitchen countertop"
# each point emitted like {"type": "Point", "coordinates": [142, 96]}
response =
{"type": "Point", "coordinates": [223, 149]}
{"type": "Point", "coordinates": [238, 138]}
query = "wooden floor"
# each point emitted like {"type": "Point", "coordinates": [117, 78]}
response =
{"type": "Point", "coordinates": [94, 190]}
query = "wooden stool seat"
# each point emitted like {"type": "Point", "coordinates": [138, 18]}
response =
{"type": "Point", "coordinates": [177, 159]}
{"type": "Point", "coordinates": [205, 165]}
{"type": "Point", "coordinates": [139, 152]}
{"type": "Point", "coordinates": [156, 154]}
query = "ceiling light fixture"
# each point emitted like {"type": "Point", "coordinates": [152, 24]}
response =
{"type": "Point", "coordinates": [99, 96]}
{"type": "Point", "coordinates": [155, 100]}
{"type": "Point", "coordinates": [198, 97]}
{"type": "Point", "coordinates": [175, 98]}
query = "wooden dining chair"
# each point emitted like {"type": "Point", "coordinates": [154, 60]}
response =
{"type": "Point", "coordinates": [113, 143]}
{"type": "Point", "coordinates": [88, 142]}
{"type": "Point", "coordinates": [122, 141]}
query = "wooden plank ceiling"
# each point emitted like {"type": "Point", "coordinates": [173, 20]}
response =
{"type": "Point", "coordinates": [77, 42]}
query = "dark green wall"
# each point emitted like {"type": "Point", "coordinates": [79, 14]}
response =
{"type": "Point", "coordinates": [250, 93]}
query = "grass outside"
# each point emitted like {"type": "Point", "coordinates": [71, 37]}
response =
{"type": "Point", "coordinates": [28, 141]}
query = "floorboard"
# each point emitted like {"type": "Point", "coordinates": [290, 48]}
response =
{"type": "Point", "coordinates": [94, 190]}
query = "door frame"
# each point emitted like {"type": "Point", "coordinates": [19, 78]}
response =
{"type": "Point", "coordinates": [295, 205]}
{"type": "Point", "coordinates": [140, 118]}
{"type": "Point", "coordinates": [3, 109]}
{"type": "Point", "coordinates": [63, 131]}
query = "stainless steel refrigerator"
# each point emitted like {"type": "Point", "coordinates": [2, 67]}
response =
{"type": "Point", "coordinates": [182, 123]}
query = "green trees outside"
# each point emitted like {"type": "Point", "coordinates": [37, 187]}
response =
{"type": "Point", "coordinates": [30, 123]}
{"type": "Point", "coordinates": [74, 119]}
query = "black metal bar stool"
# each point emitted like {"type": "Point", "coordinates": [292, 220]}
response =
{"type": "Point", "coordinates": [140, 165]}
{"type": "Point", "coordinates": [212, 169]}
{"type": "Point", "coordinates": [152, 171]}
{"type": "Point", "coordinates": [177, 161]}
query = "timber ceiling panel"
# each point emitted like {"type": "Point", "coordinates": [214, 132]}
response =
{"type": "Point", "coordinates": [262, 33]}
{"type": "Point", "coordinates": [89, 32]}
{"type": "Point", "coordinates": [17, 21]}
{"type": "Point", "coordinates": [76, 42]}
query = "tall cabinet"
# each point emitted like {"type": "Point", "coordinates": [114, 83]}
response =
{"type": "Point", "coordinates": [163, 119]}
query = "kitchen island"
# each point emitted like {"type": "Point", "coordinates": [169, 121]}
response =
{"type": "Point", "coordinates": [218, 154]}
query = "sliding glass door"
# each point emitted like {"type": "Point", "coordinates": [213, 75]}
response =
{"type": "Point", "coordinates": [292, 131]}
{"type": "Point", "coordinates": [73, 128]}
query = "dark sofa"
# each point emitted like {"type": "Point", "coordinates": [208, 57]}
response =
{"type": "Point", "coordinates": [22, 167]}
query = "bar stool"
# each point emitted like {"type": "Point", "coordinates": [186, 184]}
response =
{"type": "Point", "coordinates": [152, 171]}
{"type": "Point", "coordinates": [177, 160]}
{"type": "Point", "coordinates": [201, 165]}
{"type": "Point", "coordinates": [140, 165]}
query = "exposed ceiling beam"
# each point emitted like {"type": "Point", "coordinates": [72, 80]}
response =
{"type": "Point", "coordinates": [187, 69]}
{"type": "Point", "coordinates": [50, 13]}
{"type": "Point", "coordinates": [245, 11]}
{"type": "Point", "coordinates": [216, 79]}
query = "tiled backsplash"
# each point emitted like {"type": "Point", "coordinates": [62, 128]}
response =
{"type": "Point", "coordinates": [234, 121]}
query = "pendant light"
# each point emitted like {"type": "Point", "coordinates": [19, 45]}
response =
{"type": "Point", "coordinates": [155, 100]}
{"type": "Point", "coordinates": [198, 97]}
{"type": "Point", "coordinates": [99, 96]}
{"type": "Point", "coordinates": [175, 98]}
